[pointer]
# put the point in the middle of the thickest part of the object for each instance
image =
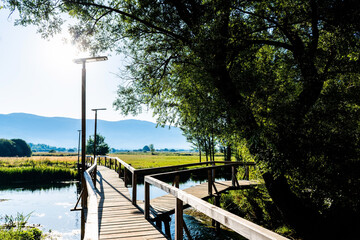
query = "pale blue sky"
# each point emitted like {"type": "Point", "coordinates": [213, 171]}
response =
{"type": "Point", "coordinates": [38, 76]}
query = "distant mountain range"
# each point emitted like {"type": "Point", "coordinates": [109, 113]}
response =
{"type": "Point", "coordinates": [62, 132]}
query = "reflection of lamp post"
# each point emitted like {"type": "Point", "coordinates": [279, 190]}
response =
{"type": "Point", "coordinates": [96, 109]}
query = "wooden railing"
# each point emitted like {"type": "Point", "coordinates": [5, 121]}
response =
{"type": "Point", "coordinates": [116, 163]}
{"type": "Point", "coordinates": [245, 228]}
{"type": "Point", "coordinates": [90, 226]}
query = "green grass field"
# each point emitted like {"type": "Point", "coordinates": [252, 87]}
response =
{"type": "Point", "coordinates": [44, 166]}
{"type": "Point", "coordinates": [146, 160]}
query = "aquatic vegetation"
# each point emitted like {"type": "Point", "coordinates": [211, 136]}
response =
{"type": "Point", "coordinates": [16, 228]}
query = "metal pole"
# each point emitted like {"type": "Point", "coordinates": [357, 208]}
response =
{"type": "Point", "coordinates": [95, 129]}
{"type": "Point", "coordinates": [78, 166]}
{"type": "Point", "coordinates": [83, 145]}
{"type": "Point", "coordinates": [83, 119]}
{"type": "Point", "coordinates": [95, 133]}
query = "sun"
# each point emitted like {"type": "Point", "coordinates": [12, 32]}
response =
{"type": "Point", "coordinates": [60, 52]}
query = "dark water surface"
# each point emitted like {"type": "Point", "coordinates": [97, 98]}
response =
{"type": "Point", "coordinates": [50, 205]}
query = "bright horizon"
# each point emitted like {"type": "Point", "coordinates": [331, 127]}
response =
{"type": "Point", "coordinates": [39, 77]}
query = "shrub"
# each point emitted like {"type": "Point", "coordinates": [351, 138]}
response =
{"type": "Point", "coordinates": [14, 147]}
{"type": "Point", "coordinates": [22, 148]}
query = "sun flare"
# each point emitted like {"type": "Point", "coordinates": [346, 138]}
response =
{"type": "Point", "coordinates": [61, 53]}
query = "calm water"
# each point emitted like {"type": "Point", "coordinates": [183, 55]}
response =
{"type": "Point", "coordinates": [50, 206]}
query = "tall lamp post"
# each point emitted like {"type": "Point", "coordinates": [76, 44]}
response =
{"type": "Point", "coordinates": [78, 166]}
{"type": "Point", "coordinates": [96, 109]}
{"type": "Point", "coordinates": [83, 61]}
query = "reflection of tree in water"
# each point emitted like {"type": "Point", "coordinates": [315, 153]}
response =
{"type": "Point", "coordinates": [31, 186]}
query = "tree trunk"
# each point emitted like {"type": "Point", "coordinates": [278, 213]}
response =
{"type": "Point", "coordinates": [206, 150]}
{"type": "Point", "coordinates": [306, 220]}
{"type": "Point", "coordinates": [228, 152]}
{"type": "Point", "coordinates": [199, 151]}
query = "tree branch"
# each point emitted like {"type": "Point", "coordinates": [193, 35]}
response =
{"type": "Point", "coordinates": [272, 43]}
{"type": "Point", "coordinates": [146, 23]}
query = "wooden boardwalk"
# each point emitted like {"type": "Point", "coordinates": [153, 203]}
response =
{"type": "Point", "coordinates": [118, 218]}
{"type": "Point", "coordinates": [166, 204]}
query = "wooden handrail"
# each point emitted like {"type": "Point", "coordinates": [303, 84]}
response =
{"type": "Point", "coordinates": [147, 171]}
{"type": "Point", "coordinates": [126, 165]}
{"type": "Point", "coordinates": [244, 227]}
{"type": "Point", "coordinates": [198, 169]}
{"type": "Point", "coordinates": [91, 231]}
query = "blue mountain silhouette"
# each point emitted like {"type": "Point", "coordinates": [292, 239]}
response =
{"type": "Point", "coordinates": [62, 132]}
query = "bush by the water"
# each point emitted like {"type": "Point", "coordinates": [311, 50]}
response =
{"type": "Point", "coordinates": [15, 228]}
{"type": "Point", "coordinates": [14, 147]}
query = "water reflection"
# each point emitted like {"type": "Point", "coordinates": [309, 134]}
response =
{"type": "Point", "coordinates": [50, 205]}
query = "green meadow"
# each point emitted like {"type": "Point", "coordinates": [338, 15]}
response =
{"type": "Point", "coordinates": [147, 160]}
{"type": "Point", "coordinates": [37, 168]}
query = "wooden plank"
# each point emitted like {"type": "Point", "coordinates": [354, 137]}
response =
{"type": "Point", "coordinates": [118, 218]}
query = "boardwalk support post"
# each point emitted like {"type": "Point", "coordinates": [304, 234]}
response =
{"type": "Point", "coordinates": [147, 201]}
{"type": "Point", "coordinates": [134, 187]}
{"type": "Point", "coordinates": [179, 220]}
{"type": "Point", "coordinates": [125, 177]}
{"type": "Point", "coordinates": [178, 213]}
{"type": "Point", "coordinates": [119, 171]}
{"type": "Point", "coordinates": [167, 220]}
{"type": "Point", "coordinates": [233, 175]}
{"type": "Point", "coordinates": [209, 182]}
{"type": "Point", "coordinates": [216, 224]}
{"type": "Point", "coordinates": [246, 175]}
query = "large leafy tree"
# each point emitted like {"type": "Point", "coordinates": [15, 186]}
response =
{"type": "Point", "coordinates": [284, 76]}
{"type": "Point", "coordinates": [14, 147]}
{"type": "Point", "coordinates": [22, 148]}
{"type": "Point", "coordinates": [102, 148]}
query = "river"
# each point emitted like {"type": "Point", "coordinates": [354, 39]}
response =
{"type": "Point", "coordinates": [49, 205]}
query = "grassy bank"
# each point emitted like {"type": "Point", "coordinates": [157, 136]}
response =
{"type": "Point", "coordinates": [37, 169]}
{"type": "Point", "coordinates": [36, 173]}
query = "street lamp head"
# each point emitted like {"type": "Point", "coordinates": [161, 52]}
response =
{"type": "Point", "coordinates": [90, 59]}
{"type": "Point", "coordinates": [96, 109]}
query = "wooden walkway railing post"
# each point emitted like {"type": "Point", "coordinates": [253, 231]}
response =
{"type": "Point", "coordinates": [246, 175]}
{"type": "Point", "coordinates": [210, 179]}
{"type": "Point", "coordinates": [233, 175]}
{"type": "Point", "coordinates": [178, 213]}
{"type": "Point", "coordinates": [125, 177]}
{"type": "Point", "coordinates": [119, 170]}
{"type": "Point", "coordinates": [94, 175]}
{"type": "Point", "coordinates": [134, 187]}
{"type": "Point", "coordinates": [147, 200]}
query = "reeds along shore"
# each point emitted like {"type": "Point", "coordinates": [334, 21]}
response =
{"type": "Point", "coordinates": [37, 169]}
